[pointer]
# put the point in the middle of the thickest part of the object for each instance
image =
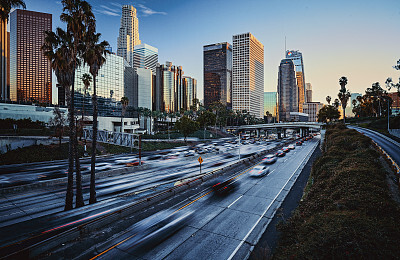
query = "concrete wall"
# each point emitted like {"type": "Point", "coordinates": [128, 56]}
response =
{"type": "Point", "coordinates": [8, 143]}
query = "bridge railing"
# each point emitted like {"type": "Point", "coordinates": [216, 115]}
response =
{"type": "Point", "coordinates": [115, 138]}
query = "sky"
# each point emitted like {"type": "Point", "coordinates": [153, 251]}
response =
{"type": "Point", "coordinates": [359, 39]}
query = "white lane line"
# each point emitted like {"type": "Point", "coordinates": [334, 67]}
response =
{"type": "Point", "coordinates": [262, 215]}
{"type": "Point", "coordinates": [235, 201]}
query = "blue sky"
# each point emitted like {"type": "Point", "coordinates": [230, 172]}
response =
{"type": "Point", "coordinates": [354, 38]}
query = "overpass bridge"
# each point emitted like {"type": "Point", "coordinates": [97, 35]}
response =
{"type": "Point", "coordinates": [302, 127]}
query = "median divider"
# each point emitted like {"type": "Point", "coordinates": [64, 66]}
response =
{"type": "Point", "coordinates": [121, 212]}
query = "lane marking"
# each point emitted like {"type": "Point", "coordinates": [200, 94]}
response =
{"type": "Point", "coordinates": [259, 219]}
{"type": "Point", "coordinates": [234, 201]}
{"type": "Point", "coordinates": [114, 246]}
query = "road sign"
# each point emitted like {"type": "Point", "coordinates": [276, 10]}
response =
{"type": "Point", "coordinates": [200, 160]}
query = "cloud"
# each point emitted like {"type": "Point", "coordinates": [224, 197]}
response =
{"type": "Point", "coordinates": [147, 11]}
{"type": "Point", "coordinates": [116, 4]}
{"type": "Point", "coordinates": [107, 11]}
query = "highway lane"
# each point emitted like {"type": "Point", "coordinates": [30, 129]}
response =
{"type": "Point", "coordinates": [48, 204]}
{"type": "Point", "coordinates": [389, 145]}
{"type": "Point", "coordinates": [222, 227]}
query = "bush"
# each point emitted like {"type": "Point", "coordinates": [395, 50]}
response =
{"type": "Point", "coordinates": [347, 212]}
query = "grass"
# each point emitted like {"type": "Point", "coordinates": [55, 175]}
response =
{"type": "Point", "coordinates": [348, 211]}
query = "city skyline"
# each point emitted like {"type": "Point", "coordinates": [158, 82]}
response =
{"type": "Point", "coordinates": [345, 41]}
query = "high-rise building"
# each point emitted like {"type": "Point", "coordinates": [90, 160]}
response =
{"type": "Point", "coordinates": [297, 59]}
{"type": "Point", "coordinates": [169, 87]}
{"type": "Point", "coordinates": [190, 87]}
{"type": "Point", "coordinates": [145, 56]}
{"type": "Point", "coordinates": [128, 33]}
{"type": "Point", "coordinates": [30, 71]}
{"type": "Point", "coordinates": [287, 90]}
{"type": "Point", "coordinates": [248, 75]}
{"type": "Point", "coordinates": [4, 69]}
{"type": "Point", "coordinates": [396, 103]}
{"type": "Point", "coordinates": [350, 106]}
{"type": "Point", "coordinates": [144, 88]}
{"type": "Point", "coordinates": [270, 104]}
{"type": "Point", "coordinates": [114, 79]}
{"type": "Point", "coordinates": [217, 62]}
{"type": "Point", "coordinates": [308, 92]}
{"type": "Point", "coordinates": [312, 109]}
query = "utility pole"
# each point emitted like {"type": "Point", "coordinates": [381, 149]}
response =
{"type": "Point", "coordinates": [140, 150]}
{"type": "Point", "coordinates": [239, 146]}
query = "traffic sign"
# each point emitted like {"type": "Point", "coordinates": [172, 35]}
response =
{"type": "Point", "coordinates": [200, 160]}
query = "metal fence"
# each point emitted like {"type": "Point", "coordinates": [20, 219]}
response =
{"type": "Point", "coordinates": [115, 138]}
{"type": "Point", "coordinates": [395, 132]}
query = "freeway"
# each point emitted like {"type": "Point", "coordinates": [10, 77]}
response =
{"type": "Point", "coordinates": [37, 215]}
{"type": "Point", "coordinates": [219, 227]}
{"type": "Point", "coordinates": [389, 145]}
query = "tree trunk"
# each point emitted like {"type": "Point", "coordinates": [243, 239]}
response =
{"type": "Point", "coordinates": [69, 198]}
{"type": "Point", "coordinates": [79, 195]}
{"type": "Point", "coordinates": [92, 198]}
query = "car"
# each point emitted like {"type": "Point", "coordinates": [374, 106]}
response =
{"type": "Point", "coordinates": [269, 159]}
{"type": "Point", "coordinates": [201, 151]}
{"type": "Point", "coordinates": [280, 153]}
{"type": "Point", "coordinates": [154, 157]}
{"type": "Point", "coordinates": [136, 163]}
{"type": "Point", "coordinates": [189, 153]}
{"type": "Point", "coordinates": [291, 147]}
{"type": "Point", "coordinates": [103, 166]}
{"type": "Point", "coordinates": [298, 143]}
{"type": "Point", "coordinates": [285, 149]}
{"type": "Point", "coordinates": [259, 171]}
{"type": "Point", "coordinates": [222, 186]}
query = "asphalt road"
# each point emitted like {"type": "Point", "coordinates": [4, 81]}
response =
{"type": "Point", "coordinates": [40, 212]}
{"type": "Point", "coordinates": [221, 227]}
{"type": "Point", "coordinates": [389, 145]}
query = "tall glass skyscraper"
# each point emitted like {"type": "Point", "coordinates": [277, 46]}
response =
{"type": "Point", "coordinates": [168, 87]}
{"type": "Point", "coordinates": [144, 87]}
{"type": "Point", "coordinates": [217, 61]}
{"type": "Point", "coordinates": [145, 56]}
{"type": "Point", "coordinates": [297, 59]}
{"type": "Point", "coordinates": [128, 33]}
{"type": "Point", "coordinates": [190, 87]}
{"type": "Point", "coordinates": [270, 103]}
{"type": "Point", "coordinates": [287, 90]}
{"type": "Point", "coordinates": [111, 83]}
{"type": "Point", "coordinates": [30, 70]}
{"type": "Point", "coordinates": [308, 92]}
{"type": "Point", "coordinates": [4, 92]}
{"type": "Point", "coordinates": [248, 75]}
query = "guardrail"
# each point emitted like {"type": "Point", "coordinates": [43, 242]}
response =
{"type": "Point", "coordinates": [394, 165]}
{"type": "Point", "coordinates": [43, 246]}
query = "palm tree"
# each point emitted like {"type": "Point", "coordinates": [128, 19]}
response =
{"type": "Point", "coordinates": [7, 5]}
{"type": "Point", "coordinates": [124, 103]}
{"type": "Point", "coordinates": [93, 55]}
{"type": "Point", "coordinates": [343, 83]}
{"type": "Point", "coordinates": [336, 103]}
{"type": "Point", "coordinates": [328, 99]}
{"type": "Point", "coordinates": [57, 49]}
{"type": "Point", "coordinates": [343, 95]}
{"type": "Point", "coordinates": [80, 20]}
{"type": "Point", "coordinates": [86, 79]}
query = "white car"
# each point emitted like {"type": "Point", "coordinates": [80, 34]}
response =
{"type": "Point", "coordinates": [259, 171]}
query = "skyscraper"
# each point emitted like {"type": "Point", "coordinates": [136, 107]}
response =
{"type": "Point", "coordinates": [144, 88]}
{"type": "Point", "coordinates": [145, 56]}
{"type": "Point", "coordinates": [169, 87]}
{"type": "Point", "coordinates": [297, 59]}
{"type": "Point", "coordinates": [308, 92]}
{"type": "Point", "coordinates": [3, 62]}
{"type": "Point", "coordinates": [217, 61]}
{"type": "Point", "coordinates": [270, 102]}
{"type": "Point", "coordinates": [312, 109]}
{"type": "Point", "coordinates": [30, 71]}
{"type": "Point", "coordinates": [287, 90]}
{"type": "Point", "coordinates": [190, 87]}
{"type": "Point", "coordinates": [128, 33]}
{"type": "Point", "coordinates": [248, 75]}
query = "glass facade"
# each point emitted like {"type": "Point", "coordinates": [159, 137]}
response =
{"type": "Point", "coordinates": [190, 87]}
{"type": "Point", "coordinates": [297, 59]}
{"type": "Point", "coordinates": [270, 102]}
{"type": "Point", "coordinates": [312, 109]}
{"type": "Point", "coordinates": [4, 67]}
{"type": "Point", "coordinates": [145, 83]}
{"type": "Point", "coordinates": [30, 71]}
{"type": "Point", "coordinates": [308, 92]}
{"type": "Point", "coordinates": [110, 87]}
{"type": "Point", "coordinates": [145, 56]}
{"type": "Point", "coordinates": [287, 90]}
{"type": "Point", "coordinates": [248, 75]}
{"type": "Point", "coordinates": [217, 60]}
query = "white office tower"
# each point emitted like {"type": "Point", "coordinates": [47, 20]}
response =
{"type": "Point", "coordinates": [145, 56]}
{"type": "Point", "coordinates": [248, 75]}
{"type": "Point", "coordinates": [128, 33]}
{"type": "Point", "coordinates": [145, 86]}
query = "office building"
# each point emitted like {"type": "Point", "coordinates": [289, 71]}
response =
{"type": "Point", "coordinates": [312, 109]}
{"type": "Point", "coordinates": [217, 62]}
{"type": "Point", "coordinates": [287, 90]}
{"type": "Point", "coordinates": [30, 71]}
{"type": "Point", "coordinates": [4, 68]}
{"type": "Point", "coordinates": [308, 92]}
{"type": "Point", "coordinates": [145, 56]}
{"type": "Point", "coordinates": [112, 82]}
{"type": "Point", "coordinates": [270, 104]}
{"type": "Point", "coordinates": [128, 33]}
{"type": "Point", "coordinates": [190, 87]}
{"type": "Point", "coordinates": [248, 75]}
{"type": "Point", "coordinates": [297, 59]}
{"type": "Point", "coordinates": [169, 88]}
{"type": "Point", "coordinates": [144, 77]}
{"type": "Point", "coordinates": [396, 103]}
